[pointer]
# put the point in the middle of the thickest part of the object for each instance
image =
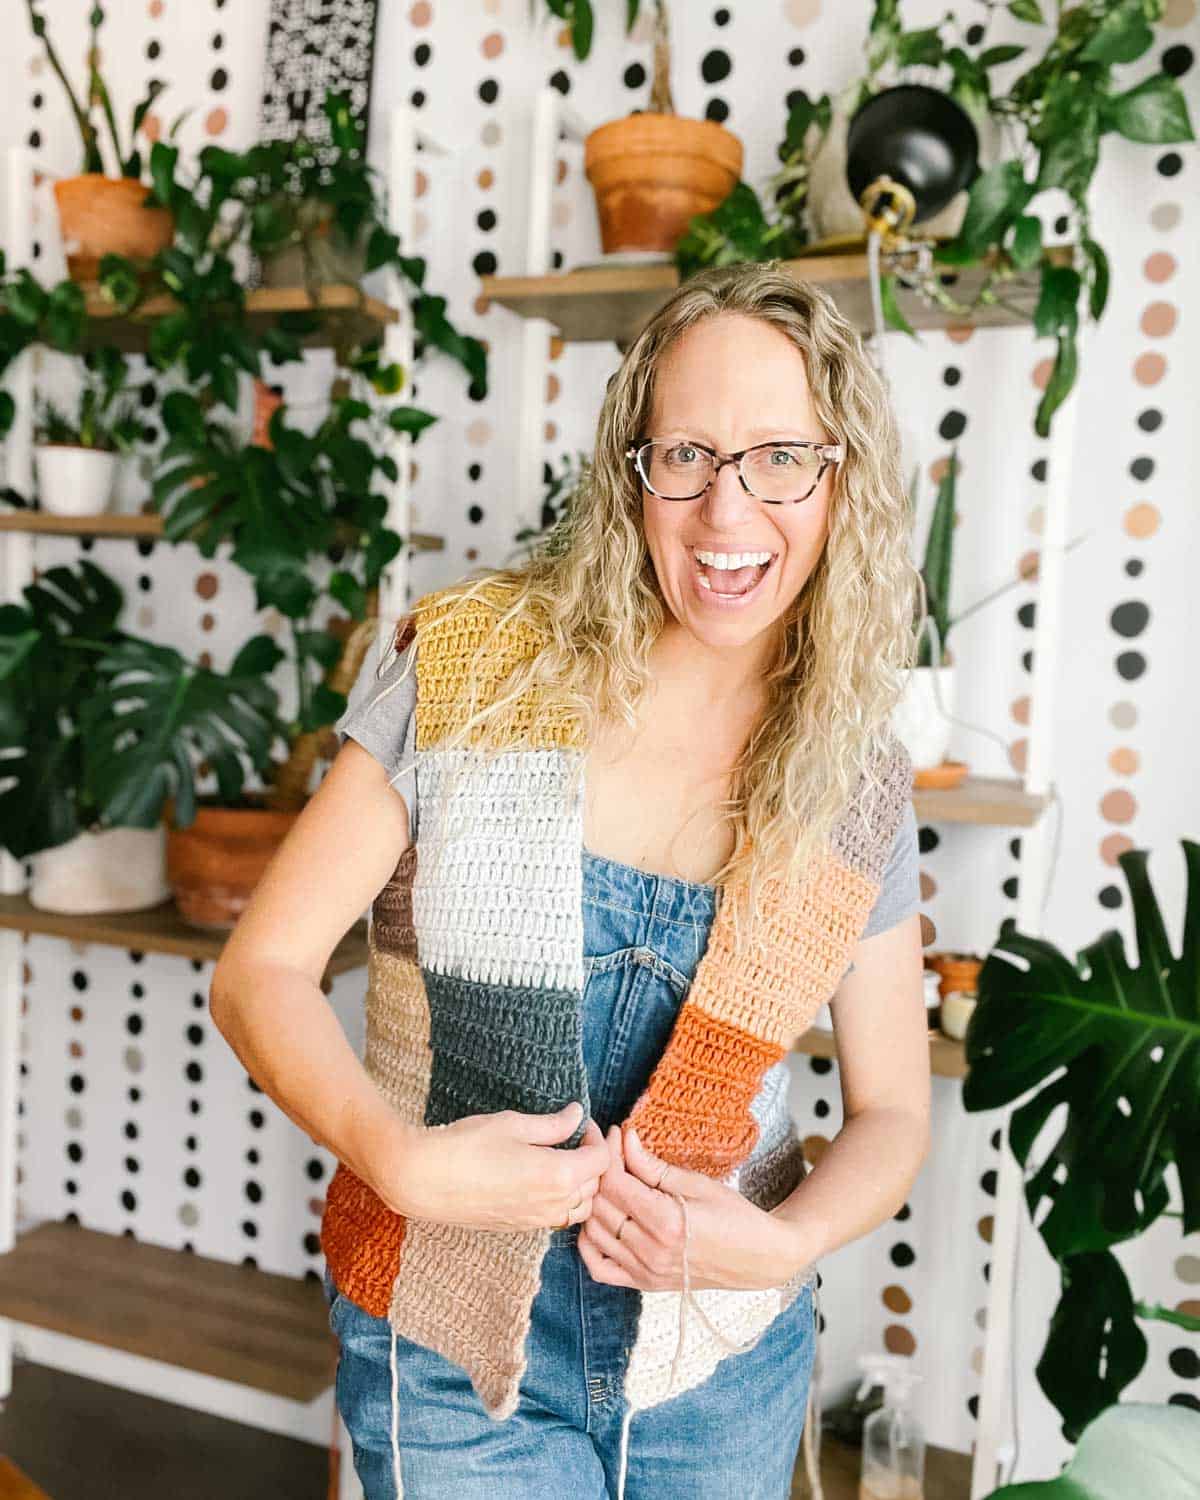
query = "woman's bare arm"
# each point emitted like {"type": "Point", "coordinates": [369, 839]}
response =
{"type": "Point", "coordinates": [265, 996]}
{"type": "Point", "coordinates": [865, 1174]}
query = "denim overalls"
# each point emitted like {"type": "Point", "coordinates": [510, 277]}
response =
{"type": "Point", "coordinates": [737, 1434]}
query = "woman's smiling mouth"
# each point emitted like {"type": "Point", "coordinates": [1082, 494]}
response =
{"type": "Point", "coordinates": [718, 583]}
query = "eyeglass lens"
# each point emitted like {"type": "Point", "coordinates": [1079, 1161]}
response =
{"type": "Point", "coordinates": [774, 471]}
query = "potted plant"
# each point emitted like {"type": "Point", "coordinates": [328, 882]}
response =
{"type": "Point", "coordinates": [652, 170]}
{"type": "Point", "coordinates": [96, 725]}
{"type": "Point", "coordinates": [1115, 1047]}
{"type": "Point", "coordinates": [76, 452]}
{"type": "Point", "coordinates": [101, 214]}
{"type": "Point", "coordinates": [286, 508]}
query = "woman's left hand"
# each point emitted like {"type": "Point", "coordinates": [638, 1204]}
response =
{"type": "Point", "coordinates": [733, 1244]}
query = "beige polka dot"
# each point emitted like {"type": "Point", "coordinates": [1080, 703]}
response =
{"type": "Point", "coordinates": [1159, 320]}
{"type": "Point", "coordinates": [1142, 520]}
{"type": "Point", "coordinates": [316, 1207]}
{"type": "Point", "coordinates": [1187, 1269]}
{"type": "Point", "coordinates": [1149, 369]}
{"type": "Point", "coordinates": [421, 14]}
{"type": "Point", "coordinates": [207, 621]}
{"type": "Point", "coordinates": [550, 432]}
{"type": "Point", "coordinates": [1041, 373]}
{"type": "Point", "coordinates": [479, 432]}
{"type": "Point", "coordinates": [145, 617]}
{"type": "Point", "coordinates": [1037, 519]}
{"type": "Point", "coordinates": [899, 1340]}
{"type": "Point", "coordinates": [481, 306]}
{"type": "Point", "coordinates": [560, 213]}
{"type": "Point", "coordinates": [1179, 13]}
{"type": "Point", "coordinates": [421, 183]}
{"type": "Point", "coordinates": [490, 134]}
{"type": "Point", "coordinates": [486, 179]}
{"type": "Point", "coordinates": [75, 1049]}
{"type": "Point", "coordinates": [977, 1361]}
{"type": "Point", "coordinates": [35, 65]}
{"type": "Point", "coordinates": [553, 387]}
{"type": "Point", "coordinates": [206, 585]}
{"type": "Point", "coordinates": [928, 931]}
{"type": "Point", "coordinates": [939, 467]}
{"type": "Point", "coordinates": [1019, 709]}
{"type": "Point", "coordinates": [420, 224]}
{"type": "Point", "coordinates": [216, 120]}
{"type": "Point", "coordinates": [560, 171]}
{"type": "Point", "coordinates": [1118, 806]}
{"type": "Point", "coordinates": [1114, 844]}
{"type": "Point", "coordinates": [815, 1147]}
{"type": "Point", "coordinates": [205, 659]}
{"type": "Point", "coordinates": [156, 9]}
{"type": "Point", "coordinates": [802, 12]}
{"type": "Point", "coordinates": [1165, 215]}
{"type": "Point", "coordinates": [189, 1215]}
{"type": "Point", "coordinates": [492, 7]}
{"type": "Point", "coordinates": [471, 554]}
{"type": "Point", "coordinates": [959, 333]}
{"type": "Point", "coordinates": [984, 1229]}
{"type": "Point", "coordinates": [1123, 715]}
{"type": "Point", "coordinates": [1027, 566]}
{"type": "Point", "coordinates": [1124, 760]}
{"type": "Point", "coordinates": [557, 346]}
{"type": "Point", "coordinates": [1159, 267]}
{"type": "Point", "coordinates": [1017, 752]}
{"type": "Point", "coordinates": [927, 884]}
{"type": "Point", "coordinates": [492, 44]}
{"type": "Point", "coordinates": [152, 127]}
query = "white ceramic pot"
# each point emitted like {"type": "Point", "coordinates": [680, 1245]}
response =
{"type": "Point", "coordinates": [74, 481]}
{"type": "Point", "coordinates": [117, 869]}
{"type": "Point", "coordinates": [921, 718]}
{"type": "Point", "coordinates": [131, 485]}
{"type": "Point", "coordinates": [832, 209]}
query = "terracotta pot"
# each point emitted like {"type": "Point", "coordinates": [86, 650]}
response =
{"type": "Point", "coordinates": [652, 172]}
{"type": "Point", "coordinates": [214, 864]}
{"type": "Point", "coordinates": [959, 972]}
{"type": "Point", "coordinates": [101, 215]}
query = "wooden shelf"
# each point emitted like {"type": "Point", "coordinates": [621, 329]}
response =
{"type": "Point", "coordinates": [347, 313]}
{"type": "Point", "coordinates": [149, 525]}
{"type": "Point", "coordinates": [157, 929]}
{"type": "Point", "coordinates": [253, 1327]}
{"type": "Point", "coordinates": [999, 801]}
{"type": "Point", "coordinates": [947, 1473]}
{"type": "Point", "coordinates": [599, 304]}
{"type": "Point", "coordinates": [947, 1058]}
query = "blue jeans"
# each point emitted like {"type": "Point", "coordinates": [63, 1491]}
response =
{"type": "Point", "coordinates": [737, 1433]}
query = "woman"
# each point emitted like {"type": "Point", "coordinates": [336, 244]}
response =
{"type": "Point", "coordinates": [651, 817]}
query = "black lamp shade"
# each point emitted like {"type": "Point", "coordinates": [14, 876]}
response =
{"type": "Point", "coordinates": [917, 135]}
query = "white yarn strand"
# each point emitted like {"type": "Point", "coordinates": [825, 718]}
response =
{"type": "Point", "coordinates": [397, 1482]}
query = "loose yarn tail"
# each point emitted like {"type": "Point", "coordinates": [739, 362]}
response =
{"type": "Point", "coordinates": [397, 1482]}
{"type": "Point", "coordinates": [625, 1421]}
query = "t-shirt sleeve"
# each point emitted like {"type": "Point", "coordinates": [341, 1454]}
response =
{"type": "Point", "coordinates": [900, 889]}
{"type": "Point", "coordinates": [379, 715]}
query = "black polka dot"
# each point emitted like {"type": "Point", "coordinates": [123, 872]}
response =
{"type": "Point", "coordinates": [218, 80]}
{"type": "Point", "coordinates": [1027, 661]}
{"type": "Point", "coordinates": [1026, 614]}
{"type": "Point", "coordinates": [254, 1192]}
{"type": "Point", "coordinates": [194, 1072]}
{"type": "Point", "coordinates": [1185, 1363]}
{"type": "Point", "coordinates": [902, 1254]}
{"type": "Point", "coordinates": [75, 1152]}
{"type": "Point", "coordinates": [1184, 1398]}
{"type": "Point", "coordinates": [560, 81]}
{"type": "Point", "coordinates": [1109, 896]}
{"type": "Point", "coordinates": [821, 1109]}
{"type": "Point", "coordinates": [1010, 887]}
{"type": "Point", "coordinates": [191, 1178]}
{"type": "Point", "coordinates": [634, 76]}
{"type": "Point", "coordinates": [716, 109]}
{"type": "Point", "coordinates": [988, 1182]}
{"type": "Point", "coordinates": [927, 839]}
{"type": "Point", "coordinates": [35, 139]}
{"type": "Point", "coordinates": [951, 375]}
{"type": "Point", "coordinates": [1150, 420]}
{"type": "Point", "coordinates": [133, 1024]}
{"type": "Point", "coordinates": [250, 1229]}
{"type": "Point", "coordinates": [195, 1034]}
{"type": "Point", "coordinates": [953, 425]}
{"type": "Point", "coordinates": [484, 263]}
{"type": "Point", "coordinates": [974, 35]}
{"type": "Point", "coordinates": [1135, 567]}
{"type": "Point", "coordinates": [796, 56]}
{"type": "Point", "coordinates": [1062, 224]}
{"type": "Point", "coordinates": [715, 65]}
{"type": "Point", "coordinates": [128, 1200]}
{"type": "Point", "coordinates": [904, 1212]}
{"type": "Point", "coordinates": [1014, 847]}
{"type": "Point", "coordinates": [1130, 665]}
{"type": "Point", "coordinates": [1142, 468]}
{"type": "Point", "coordinates": [1177, 60]}
{"type": "Point", "coordinates": [79, 979]}
{"type": "Point", "coordinates": [1169, 163]}
{"type": "Point", "coordinates": [1130, 618]}
{"type": "Point", "coordinates": [821, 1064]}
{"type": "Point", "coordinates": [218, 41]}
{"type": "Point", "coordinates": [134, 1094]}
{"type": "Point", "coordinates": [556, 261]}
{"type": "Point", "coordinates": [474, 471]}
{"type": "Point", "coordinates": [422, 54]}
{"type": "Point", "coordinates": [315, 1169]}
{"type": "Point", "coordinates": [489, 90]}
{"type": "Point", "coordinates": [193, 1106]}
{"type": "Point", "coordinates": [417, 98]}
{"type": "Point", "coordinates": [1038, 470]}
{"type": "Point", "coordinates": [486, 218]}
{"type": "Point", "coordinates": [76, 1083]}
{"type": "Point", "coordinates": [721, 17]}
{"type": "Point", "coordinates": [475, 514]}
{"type": "Point", "coordinates": [38, 101]}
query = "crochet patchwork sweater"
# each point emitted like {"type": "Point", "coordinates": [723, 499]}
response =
{"type": "Point", "coordinates": [474, 1004]}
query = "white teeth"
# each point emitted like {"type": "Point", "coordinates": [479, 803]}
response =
{"type": "Point", "coordinates": [732, 559]}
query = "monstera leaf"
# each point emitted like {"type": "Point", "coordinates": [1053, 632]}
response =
{"type": "Point", "coordinates": [152, 708]}
{"type": "Point", "coordinates": [48, 653]}
{"type": "Point", "coordinates": [1119, 1047]}
{"type": "Point", "coordinates": [1136, 1451]}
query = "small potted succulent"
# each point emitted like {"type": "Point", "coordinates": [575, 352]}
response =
{"type": "Point", "coordinates": [76, 451]}
{"type": "Point", "coordinates": [101, 214]}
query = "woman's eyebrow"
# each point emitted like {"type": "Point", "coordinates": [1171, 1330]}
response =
{"type": "Point", "coordinates": [755, 433]}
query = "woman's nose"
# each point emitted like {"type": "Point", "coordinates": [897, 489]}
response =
{"type": "Point", "coordinates": [726, 503]}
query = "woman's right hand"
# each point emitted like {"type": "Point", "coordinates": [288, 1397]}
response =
{"type": "Point", "coordinates": [498, 1171]}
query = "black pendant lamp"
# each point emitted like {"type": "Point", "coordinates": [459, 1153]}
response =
{"type": "Point", "coordinates": [909, 149]}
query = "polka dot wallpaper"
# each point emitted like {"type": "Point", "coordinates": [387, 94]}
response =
{"type": "Point", "coordinates": [136, 1116]}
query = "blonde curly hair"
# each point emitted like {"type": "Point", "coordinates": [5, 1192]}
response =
{"type": "Point", "coordinates": [845, 642]}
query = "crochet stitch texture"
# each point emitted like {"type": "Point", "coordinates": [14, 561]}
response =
{"type": "Point", "coordinates": [474, 1004]}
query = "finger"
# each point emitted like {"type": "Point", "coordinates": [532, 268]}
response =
{"type": "Point", "coordinates": [600, 1268]}
{"type": "Point", "coordinates": [656, 1212]}
{"type": "Point", "coordinates": [623, 1251]}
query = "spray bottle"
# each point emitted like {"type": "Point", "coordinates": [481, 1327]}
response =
{"type": "Point", "coordinates": [893, 1442]}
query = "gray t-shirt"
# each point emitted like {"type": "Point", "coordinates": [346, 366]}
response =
{"type": "Point", "coordinates": [379, 715]}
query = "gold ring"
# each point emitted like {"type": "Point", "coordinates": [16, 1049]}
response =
{"type": "Point", "coordinates": [621, 1225]}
